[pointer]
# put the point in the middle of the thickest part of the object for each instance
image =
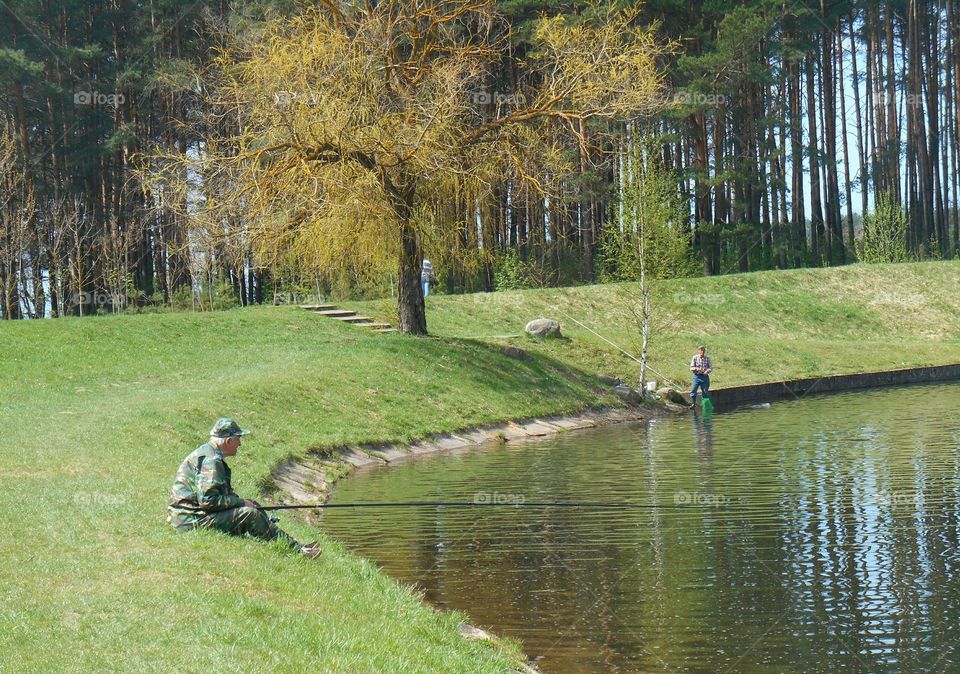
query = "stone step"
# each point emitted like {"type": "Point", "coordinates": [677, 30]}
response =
{"type": "Point", "coordinates": [336, 313]}
{"type": "Point", "coordinates": [385, 330]}
{"type": "Point", "coordinates": [317, 307]}
{"type": "Point", "coordinates": [353, 319]}
{"type": "Point", "coordinates": [373, 324]}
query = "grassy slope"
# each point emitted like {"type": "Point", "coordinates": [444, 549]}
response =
{"type": "Point", "coordinates": [97, 414]}
{"type": "Point", "coordinates": [763, 326]}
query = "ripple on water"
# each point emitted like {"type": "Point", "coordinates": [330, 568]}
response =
{"type": "Point", "coordinates": [814, 535]}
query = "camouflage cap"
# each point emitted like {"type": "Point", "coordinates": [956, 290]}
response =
{"type": "Point", "coordinates": [226, 428]}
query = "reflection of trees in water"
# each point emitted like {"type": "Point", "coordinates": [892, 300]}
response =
{"type": "Point", "coordinates": [818, 557]}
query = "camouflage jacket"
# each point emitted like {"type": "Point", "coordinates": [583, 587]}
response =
{"type": "Point", "coordinates": [203, 484]}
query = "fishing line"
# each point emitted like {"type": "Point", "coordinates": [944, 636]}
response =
{"type": "Point", "coordinates": [619, 348]}
{"type": "Point", "coordinates": [483, 504]}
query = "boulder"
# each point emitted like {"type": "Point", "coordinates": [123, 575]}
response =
{"type": "Point", "coordinates": [543, 327]}
{"type": "Point", "coordinates": [673, 396]}
{"type": "Point", "coordinates": [628, 395]}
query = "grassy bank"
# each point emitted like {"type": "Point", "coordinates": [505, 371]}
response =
{"type": "Point", "coordinates": [764, 326]}
{"type": "Point", "coordinates": [97, 414]}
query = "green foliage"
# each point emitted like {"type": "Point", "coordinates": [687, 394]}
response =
{"type": "Point", "coordinates": [218, 296]}
{"type": "Point", "coordinates": [884, 237]}
{"type": "Point", "coordinates": [183, 299]}
{"type": "Point", "coordinates": [653, 235]}
{"type": "Point", "coordinates": [932, 249]}
{"type": "Point", "coordinates": [510, 272]}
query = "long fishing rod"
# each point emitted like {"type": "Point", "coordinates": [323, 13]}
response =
{"type": "Point", "coordinates": [482, 504]}
{"type": "Point", "coordinates": [618, 347]}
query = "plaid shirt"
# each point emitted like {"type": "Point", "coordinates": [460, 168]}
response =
{"type": "Point", "coordinates": [700, 363]}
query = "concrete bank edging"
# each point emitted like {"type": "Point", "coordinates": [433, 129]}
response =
{"type": "Point", "coordinates": [307, 480]}
{"type": "Point", "coordinates": [726, 398]}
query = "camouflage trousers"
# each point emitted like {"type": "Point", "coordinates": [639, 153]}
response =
{"type": "Point", "coordinates": [235, 521]}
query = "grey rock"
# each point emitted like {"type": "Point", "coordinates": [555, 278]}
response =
{"type": "Point", "coordinates": [670, 394]}
{"type": "Point", "coordinates": [628, 394]}
{"type": "Point", "coordinates": [610, 381]}
{"type": "Point", "coordinates": [543, 327]}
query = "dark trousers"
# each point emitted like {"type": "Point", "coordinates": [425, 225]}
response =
{"type": "Point", "coordinates": [702, 382]}
{"type": "Point", "coordinates": [236, 521]}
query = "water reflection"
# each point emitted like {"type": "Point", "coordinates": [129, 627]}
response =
{"type": "Point", "coordinates": [703, 433]}
{"type": "Point", "coordinates": [816, 535]}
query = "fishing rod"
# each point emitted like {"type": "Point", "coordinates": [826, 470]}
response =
{"type": "Point", "coordinates": [619, 348]}
{"type": "Point", "coordinates": [482, 504]}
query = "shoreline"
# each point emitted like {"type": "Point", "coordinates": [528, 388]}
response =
{"type": "Point", "coordinates": [309, 480]}
{"type": "Point", "coordinates": [732, 396]}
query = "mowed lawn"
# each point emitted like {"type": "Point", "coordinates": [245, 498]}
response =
{"type": "Point", "coordinates": [96, 415]}
{"type": "Point", "coordinates": [763, 326]}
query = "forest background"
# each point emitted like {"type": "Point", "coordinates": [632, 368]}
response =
{"type": "Point", "coordinates": [781, 125]}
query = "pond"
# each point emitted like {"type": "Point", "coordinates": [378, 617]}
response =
{"type": "Point", "coordinates": [819, 534]}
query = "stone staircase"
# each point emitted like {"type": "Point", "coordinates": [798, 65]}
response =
{"type": "Point", "coordinates": [347, 316]}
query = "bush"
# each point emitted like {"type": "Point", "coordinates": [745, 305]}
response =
{"type": "Point", "coordinates": [884, 237]}
{"type": "Point", "coordinates": [510, 272]}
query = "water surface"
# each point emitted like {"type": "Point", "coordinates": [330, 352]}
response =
{"type": "Point", "coordinates": [814, 535]}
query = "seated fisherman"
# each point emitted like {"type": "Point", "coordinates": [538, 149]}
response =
{"type": "Point", "coordinates": [202, 495]}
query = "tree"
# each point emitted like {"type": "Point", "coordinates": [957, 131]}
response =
{"type": "Point", "coordinates": [654, 240]}
{"type": "Point", "coordinates": [337, 131]}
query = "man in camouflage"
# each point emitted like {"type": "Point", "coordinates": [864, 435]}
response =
{"type": "Point", "coordinates": [202, 494]}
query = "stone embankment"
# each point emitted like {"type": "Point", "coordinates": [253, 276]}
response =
{"type": "Point", "coordinates": [307, 480]}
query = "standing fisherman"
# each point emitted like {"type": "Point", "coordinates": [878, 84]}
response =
{"type": "Point", "coordinates": [203, 497]}
{"type": "Point", "coordinates": [701, 367]}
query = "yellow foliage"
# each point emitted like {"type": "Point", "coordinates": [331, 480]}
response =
{"type": "Point", "coordinates": [349, 129]}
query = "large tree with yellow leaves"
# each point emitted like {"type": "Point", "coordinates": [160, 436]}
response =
{"type": "Point", "coordinates": [338, 130]}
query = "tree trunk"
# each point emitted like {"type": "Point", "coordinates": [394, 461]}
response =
{"type": "Point", "coordinates": [411, 312]}
{"type": "Point", "coordinates": [816, 211]}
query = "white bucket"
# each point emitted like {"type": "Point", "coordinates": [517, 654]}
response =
{"type": "Point", "coordinates": [651, 386]}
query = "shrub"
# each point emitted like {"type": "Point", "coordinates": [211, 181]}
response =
{"type": "Point", "coordinates": [510, 272]}
{"type": "Point", "coordinates": [884, 237]}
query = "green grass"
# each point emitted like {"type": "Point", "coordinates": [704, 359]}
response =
{"type": "Point", "coordinates": [763, 326]}
{"type": "Point", "coordinates": [96, 415]}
